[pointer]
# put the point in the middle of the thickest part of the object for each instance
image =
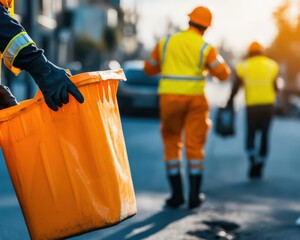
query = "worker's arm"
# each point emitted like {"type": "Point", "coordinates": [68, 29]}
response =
{"type": "Point", "coordinates": [19, 51]}
{"type": "Point", "coordinates": [217, 66]}
{"type": "Point", "coordinates": [237, 83]}
{"type": "Point", "coordinates": [152, 66]}
{"type": "Point", "coordinates": [13, 38]}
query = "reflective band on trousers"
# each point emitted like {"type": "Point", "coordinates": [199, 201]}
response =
{"type": "Point", "coordinates": [15, 46]}
{"type": "Point", "coordinates": [173, 167]}
{"type": "Point", "coordinates": [195, 167]}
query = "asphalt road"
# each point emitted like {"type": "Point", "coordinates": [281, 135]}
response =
{"type": "Point", "coordinates": [236, 208]}
{"type": "Point", "coordinates": [244, 209]}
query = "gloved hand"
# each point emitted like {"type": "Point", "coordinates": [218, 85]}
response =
{"type": "Point", "coordinates": [6, 98]}
{"type": "Point", "coordinates": [53, 82]}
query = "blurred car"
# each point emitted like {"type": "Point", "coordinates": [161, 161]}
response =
{"type": "Point", "coordinates": [138, 95]}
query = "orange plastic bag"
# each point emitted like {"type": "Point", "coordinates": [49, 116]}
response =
{"type": "Point", "coordinates": [69, 168]}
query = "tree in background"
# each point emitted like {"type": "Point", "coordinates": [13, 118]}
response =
{"type": "Point", "coordinates": [286, 45]}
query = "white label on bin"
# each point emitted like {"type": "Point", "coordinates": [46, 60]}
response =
{"type": "Point", "coordinates": [112, 74]}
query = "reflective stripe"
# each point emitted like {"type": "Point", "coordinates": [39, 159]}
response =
{"type": "Point", "coordinates": [216, 63]}
{"type": "Point", "coordinates": [195, 171]}
{"type": "Point", "coordinates": [173, 171]}
{"type": "Point", "coordinates": [195, 167]}
{"type": "Point", "coordinates": [15, 46]}
{"type": "Point", "coordinates": [172, 162]}
{"type": "Point", "coordinates": [205, 45]}
{"type": "Point", "coordinates": [173, 167]}
{"type": "Point", "coordinates": [152, 62]}
{"type": "Point", "coordinates": [192, 163]}
{"type": "Point", "coordinates": [165, 48]}
{"type": "Point", "coordinates": [182, 77]}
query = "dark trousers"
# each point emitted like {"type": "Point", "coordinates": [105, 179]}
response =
{"type": "Point", "coordinates": [258, 121]}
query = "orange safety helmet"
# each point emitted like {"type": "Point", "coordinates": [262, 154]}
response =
{"type": "Point", "coordinates": [201, 16]}
{"type": "Point", "coordinates": [255, 47]}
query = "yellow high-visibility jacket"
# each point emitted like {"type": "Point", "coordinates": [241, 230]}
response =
{"type": "Point", "coordinates": [182, 60]}
{"type": "Point", "coordinates": [258, 74]}
{"type": "Point", "coordinates": [183, 63]}
{"type": "Point", "coordinates": [17, 42]}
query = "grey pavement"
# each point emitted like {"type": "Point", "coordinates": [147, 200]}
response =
{"type": "Point", "coordinates": [236, 208]}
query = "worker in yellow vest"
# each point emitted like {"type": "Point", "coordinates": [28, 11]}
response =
{"type": "Point", "coordinates": [19, 52]}
{"type": "Point", "coordinates": [183, 60]}
{"type": "Point", "coordinates": [258, 74]}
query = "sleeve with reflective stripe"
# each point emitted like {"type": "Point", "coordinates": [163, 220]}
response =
{"type": "Point", "coordinates": [15, 46]}
{"type": "Point", "coordinates": [9, 27]}
{"type": "Point", "coordinates": [217, 62]}
{"type": "Point", "coordinates": [217, 66]}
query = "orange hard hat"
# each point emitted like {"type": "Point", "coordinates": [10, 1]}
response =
{"type": "Point", "coordinates": [255, 47]}
{"type": "Point", "coordinates": [201, 16]}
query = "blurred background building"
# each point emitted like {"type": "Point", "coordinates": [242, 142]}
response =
{"type": "Point", "coordinates": [77, 34]}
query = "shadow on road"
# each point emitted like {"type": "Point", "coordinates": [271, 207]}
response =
{"type": "Point", "coordinates": [151, 225]}
{"type": "Point", "coordinates": [220, 229]}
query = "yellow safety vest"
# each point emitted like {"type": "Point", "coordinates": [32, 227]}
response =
{"type": "Point", "coordinates": [16, 44]}
{"type": "Point", "coordinates": [182, 59]}
{"type": "Point", "coordinates": [258, 74]}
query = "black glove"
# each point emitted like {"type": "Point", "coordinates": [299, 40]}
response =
{"type": "Point", "coordinates": [53, 82]}
{"type": "Point", "coordinates": [6, 98]}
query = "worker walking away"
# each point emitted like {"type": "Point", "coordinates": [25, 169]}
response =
{"type": "Point", "coordinates": [183, 60]}
{"type": "Point", "coordinates": [19, 52]}
{"type": "Point", "coordinates": [258, 74]}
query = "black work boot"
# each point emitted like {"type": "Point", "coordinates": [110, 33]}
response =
{"type": "Point", "coordinates": [176, 200]}
{"type": "Point", "coordinates": [196, 198]}
{"type": "Point", "coordinates": [255, 169]}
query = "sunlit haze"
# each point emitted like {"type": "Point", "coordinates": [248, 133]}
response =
{"type": "Point", "coordinates": [236, 22]}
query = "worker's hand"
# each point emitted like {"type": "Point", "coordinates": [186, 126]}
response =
{"type": "Point", "coordinates": [54, 83]}
{"type": "Point", "coordinates": [6, 98]}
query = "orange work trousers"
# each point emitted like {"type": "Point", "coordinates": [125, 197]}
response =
{"type": "Point", "coordinates": [188, 116]}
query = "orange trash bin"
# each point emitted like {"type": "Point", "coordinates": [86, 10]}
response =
{"type": "Point", "coordinates": [69, 168]}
